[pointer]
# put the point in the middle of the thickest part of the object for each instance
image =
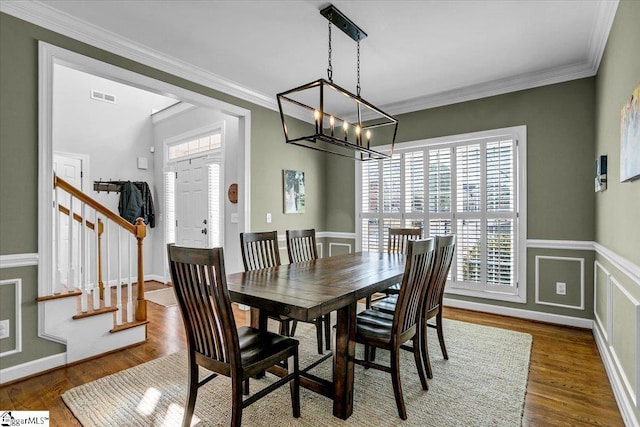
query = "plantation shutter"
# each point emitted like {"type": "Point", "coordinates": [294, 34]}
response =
{"type": "Point", "coordinates": [215, 220]}
{"type": "Point", "coordinates": [170, 206]}
{"type": "Point", "coordinates": [467, 187]}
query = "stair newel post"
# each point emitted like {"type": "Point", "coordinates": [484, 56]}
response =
{"type": "Point", "coordinates": [141, 309]}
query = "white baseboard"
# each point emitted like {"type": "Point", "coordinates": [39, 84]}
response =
{"type": "Point", "coordinates": [30, 368]}
{"type": "Point", "coordinates": [520, 313]}
{"type": "Point", "coordinates": [156, 277]}
{"type": "Point", "coordinates": [624, 404]}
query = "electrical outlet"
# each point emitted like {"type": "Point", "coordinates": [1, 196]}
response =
{"type": "Point", "coordinates": [561, 288]}
{"type": "Point", "coordinates": [4, 329]}
{"type": "Point", "coordinates": [268, 217]}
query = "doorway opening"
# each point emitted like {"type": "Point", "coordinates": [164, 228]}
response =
{"type": "Point", "coordinates": [236, 160]}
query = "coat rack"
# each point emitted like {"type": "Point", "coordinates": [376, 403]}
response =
{"type": "Point", "coordinates": [108, 186]}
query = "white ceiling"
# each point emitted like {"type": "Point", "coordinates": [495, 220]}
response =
{"type": "Point", "coordinates": [417, 54]}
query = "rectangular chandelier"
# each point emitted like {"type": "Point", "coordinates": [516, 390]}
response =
{"type": "Point", "coordinates": [323, 116]}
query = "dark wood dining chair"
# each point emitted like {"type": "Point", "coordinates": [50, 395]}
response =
{"type": "Point", "coordinates": [397, 244]}
{"type": "Point", "coordinates": [376, 329]}
{"type": "Point", "coordinates": [301, 247]}
{"type": "Point", "coordinates": [432, 304]}
{"type": "Point", "coordinates": [215, 343]}
{"type": "Point", "coordinates": [445, 248]}
{"type": "Point", "coordinates": [260, 250]}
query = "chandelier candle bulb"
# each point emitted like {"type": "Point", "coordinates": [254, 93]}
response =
{"type": "Point", "coordinates": [332, 123]}
{"type": "Point", "coordinates": [358, 136]}
{"type": "Point", "coordinates": [316, 118]}
{"type": "Point", "coordinates": [368, 138]}
{"type": "Point", "coordinates": [345, 125]}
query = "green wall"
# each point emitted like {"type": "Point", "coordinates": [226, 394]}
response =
{"type": "Point", "coordinates": [559, 121]}
{"type": "Point", "coordinates": [560, 155]}
{"type": "Point", "coordinates": [617, 210]}
{"type": "Point", "coordinates": [19, 161]}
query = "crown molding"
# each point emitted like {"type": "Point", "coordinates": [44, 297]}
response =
{"type": "Point", "coordinates": [606, 12]}
{"type": "Point", "coordinates": [41, 14]}
{"type": "Point", "coordinates": [45, 16]}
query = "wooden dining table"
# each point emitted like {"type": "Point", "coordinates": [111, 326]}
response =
{"type": "Point", "coordinates": [308, 290]}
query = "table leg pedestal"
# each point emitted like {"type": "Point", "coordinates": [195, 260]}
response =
{"type": "Point", "coordinates": [343, 368]}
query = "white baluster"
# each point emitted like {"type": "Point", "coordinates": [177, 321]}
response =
{"type": "Point", "coordinates": [56, 236]}
{"type": "Point", "coordinates": [107, 282]}
{"type": "Point", "coordinates": [130, 286]}
{"type": "Point", "coordinates": [96, 285]}
{"type": "Point", "coordinates": [119, 282]}
{"type": "Point", "coordinates": [83, 257]}
{"type": "Point", "coordinates": [71, 262]}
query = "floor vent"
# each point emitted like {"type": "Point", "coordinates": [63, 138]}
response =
{"type": "Point", "coordinates": [101, 96]}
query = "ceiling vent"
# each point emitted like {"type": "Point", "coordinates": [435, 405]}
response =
{"type": "Point", "coordinates": [101, 96]}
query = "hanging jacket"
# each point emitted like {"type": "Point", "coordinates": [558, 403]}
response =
{"type": "Point", "coordinates": [136, 202]}
{"type": "Point", "coordinates": [148, 212]}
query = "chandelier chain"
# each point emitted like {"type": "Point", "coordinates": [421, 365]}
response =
{"type": "Point", "coordinates": [330, 68]}
{"type": "Point", "coordinates": [358, 70]}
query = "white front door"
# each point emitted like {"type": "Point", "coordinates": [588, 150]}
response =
{"type": "Point", "coordinates": [69, 169]}
{"type": "Point", "coordinates": [192, 202]}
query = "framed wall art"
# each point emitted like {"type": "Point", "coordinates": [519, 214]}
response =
{"type": "Point", "coordinates": [630, 138]}
{"type": "Point", "coordinates": [294, 200]}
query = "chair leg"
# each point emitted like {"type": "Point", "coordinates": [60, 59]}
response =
{"type": "Point", "coordinates": [245, 387]}
{"type": "Point", "coordinates": [236, 402]}
{"type": "Point", "coordinates": [424, 347]}
{"type": "Point", "coordinates": [327, 331]}
{"type": "Point", "coordinates": [292, 332]}
{"type": "Point", "coordinates": [295, 387]}
{"type": "Point", "coordinates": [397, 387]}
{"type": "Point", "coordinates": [318, 323]}
{"type": "Point", "coordinates": [416, 355]}
{"type": "Point", "coordinates": [284, 328]}
{"type": "Point", "coordinates": [443, 347]}
{"type": "Point", "coordinates": [191, 395]}
{"type": "Point", "coordinates": [367, 354]}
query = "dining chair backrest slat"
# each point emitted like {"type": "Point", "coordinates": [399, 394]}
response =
{"type": "Point", "coordinates": [414, 282]}
{"type": "Point", "coordinates": [260, 250]}
{"type": "Point", "coordinates": [199, 282]}
{"type": "Point", "coordinates": [301, 245]}
{"type": "Point", "coordinates": [399, 238]}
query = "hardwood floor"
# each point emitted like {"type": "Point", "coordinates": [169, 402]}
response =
{"type": "Point", "coordinates": [567, 383]}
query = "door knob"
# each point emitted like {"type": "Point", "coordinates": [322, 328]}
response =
{"type": "Point", "coordinates": [204, 222]}
{"type": "Point", "coordinates": [204, 230]}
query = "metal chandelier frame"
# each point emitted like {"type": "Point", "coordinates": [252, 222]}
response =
{"type": "Point", "coordinates": [333, 132]}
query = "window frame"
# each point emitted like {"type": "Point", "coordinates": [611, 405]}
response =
{"type": "Point", "coordinates": [517, 293]}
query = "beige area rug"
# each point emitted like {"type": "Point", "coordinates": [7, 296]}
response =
{"type": "Point", "coordinates": [482, 384]}
{"type": "Point", "coordinates": [165, 297]}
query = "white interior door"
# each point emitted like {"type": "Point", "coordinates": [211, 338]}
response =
{"type": "Point", "coordinates": [69, 169]}
{"type": "Point", "coordinates": [192, 203]}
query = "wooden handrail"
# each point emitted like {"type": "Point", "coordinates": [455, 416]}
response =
{"type": "Point", "coordinates": [59, 182]}
{"type": "Point", "coordinates": [139, 230]}
{"type": "Point", "coordinates": [78, 218]}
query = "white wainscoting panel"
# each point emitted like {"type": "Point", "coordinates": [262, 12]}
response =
{"type": "Point", "coordinates": [582, 284]}
{"type": "Point", "coordinates": [604, 324]}
{"type": "Point", "coordinates": [630, 379]}
{"type": "Point", "coordinates": [332, 244]}
{"type": "Point", "coordinates": [16, 322]}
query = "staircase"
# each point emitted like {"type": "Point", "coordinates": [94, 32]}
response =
{"type": "Point", "coordinates": [95, 304]}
